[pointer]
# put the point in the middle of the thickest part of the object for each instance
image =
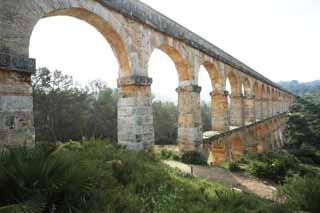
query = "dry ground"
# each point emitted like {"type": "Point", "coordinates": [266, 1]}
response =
{"type": "Point", "coordinates": [236, 180]}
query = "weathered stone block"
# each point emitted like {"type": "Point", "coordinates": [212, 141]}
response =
{"type": "Point", "coordinates": [16, 103]}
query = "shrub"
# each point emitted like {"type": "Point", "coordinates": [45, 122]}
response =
{"type": "Point", "coordinates": [100, 177]}
{"type": "Point", "coordinates": [71, 145]}
{"type": "Point", "coordinates": [273, 166]}
{"type": "Point", "coordinates": [37, 179]}
{"type": "Point", "coordinates": [301, 193]}
{"type": "Point", "coordinates": [306, 154]}
{"type": "Point", "coordinates": [194, 157]}
{"type": "Point", "coordinates": [166, 154]}
{"type": "Point", "coordinates": [232, 166]}
{"type": "Point", "coordinates": [230, 201]}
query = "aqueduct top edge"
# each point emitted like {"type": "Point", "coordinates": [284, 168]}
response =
{"type": "Point", "coordinates": [138, 11]}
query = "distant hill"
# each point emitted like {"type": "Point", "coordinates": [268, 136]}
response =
{"type": "Point", "coordinates": [301, 89]}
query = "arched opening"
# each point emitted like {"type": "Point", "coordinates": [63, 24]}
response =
{"type": "Point", "coordinates": [206, 88]}
{"type": "Point", "coordinates": [167, 68]}
{"type": "Point", "coordinates": [234, 84]}
{"type": "Point", "coordinates": [248, 102]}
{"type": "Point", "coordinates": [234, 100]}
{"type": "Point", "coordinates": [179, 61]}
{"type": "Point", "coordinates": [63, 109]}
{"type": "Point", "coordinates": [210, 81]}
{"type": "Point", "coordinates": [246, 88]}
{"type": "Point", "coordinates": [106, 30]}
{"type": "Point", "coordinates": [228, 89]}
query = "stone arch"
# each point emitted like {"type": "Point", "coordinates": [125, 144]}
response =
{"type": "Point", "coordinates": [101, 21]}
{"type": "Point", "coordinates": [135, 133]}
{"type": "Point", "coordinates": [235, 103]}
{"type": "Point", "coordinates": [263, 91]}
{"type": "Point", "coordinates": [256, 90]}
{"type": "Point", "coordinates": [268, 94]}
{"type": "Point", "coordinates": [246, 83]}
{"type": "Point", "coordinates": [214, 75]}
{"type": "Point", "coordinates": [247, 102]}
{"type": "Point", "coordinates": [180, 63]}
{"type": "Point", "coordinates": [188, 96]}
{"type": "Point", "coordinates": [234, 82]}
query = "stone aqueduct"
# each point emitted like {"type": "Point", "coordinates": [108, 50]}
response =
{"type": "Point", "coordinates": [134, 31]}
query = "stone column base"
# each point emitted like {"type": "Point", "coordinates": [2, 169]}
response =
{"type": "Point", "coordinates": [135, 119]}
{"type": "Point", "coordinates": [190, 125]}
{"type": "Point", "coordinates": [249, 110]}
{"type": "Point", "coordinates": [220, 116]}
{"type": "Point", "coordinates": [236, 114]}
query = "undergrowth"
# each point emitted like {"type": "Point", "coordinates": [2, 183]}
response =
{"type": "Point", "coordinates": [97, 176]}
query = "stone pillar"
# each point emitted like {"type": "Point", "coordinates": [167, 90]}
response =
{"type": "Point", "coordinates": [273, 143]}
{"type": "Point", "coordinates": [277, 111]}
{"type": "Point", "coordinates": [249, 109]}
{"type": "Point", "coordinates": [219, 107]}
{"type": "Point", "coordinates": [258, 109]}
{"type": "Point", "coordinates": [135, 119]}
{"type": "Point", "coordinates": [285, 106]}
{"type": "Point", "coordinates": [219, 154]}
{"type": "Point", "coordinates": [270, 107]}
{"type": "Point", "coordinates": [190, 125]}
{"type": "Point", "coordinates": [259, 139]}
{"type": "Point", "coordinates": [264, 108]}
{"type": "Point", "coordinates": [281, 106]}
{"type": "Point", "coordinates": [16, 102]}
{"type": "Point", "coordinates": [236, 111]}
{"type": "Point", "coordinates": [280, 132]}
{"type": "Point", "coordinates": [277, 106]}
{"type": "Point", "coordinates": [277, 138]}
{"type": "Point", "coordinates": [274, 106]}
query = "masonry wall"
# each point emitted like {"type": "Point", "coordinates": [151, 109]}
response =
{"type": "Point", "coordinates": [262, 136]}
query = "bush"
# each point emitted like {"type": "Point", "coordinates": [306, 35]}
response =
{"type": "Point", "coordinates": [306, 154]}
{"type": "Point", "coordinates": [71, 145]}
{"type": "Point", "coordinates": [194, 157]}
{"type": "Point", "coordinates": [230, 201]}
{"type": "Point", "coordinates": [165, 154]}
{"type": "Point", "coordinates": [169, 155]}
{"type": "Point", "coordinates": [232, 166]}
{"type": "Point", "coordinates": [301, 193]}
{"type": "Point", "coordinates": [100, 177]}
{"type": "Point", "coordinates": [275, 166]}
{"type": "Point", "coordinates": [38, 179]}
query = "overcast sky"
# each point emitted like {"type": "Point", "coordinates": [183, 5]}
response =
{"type": "Point", "coordinates": [278, 38]}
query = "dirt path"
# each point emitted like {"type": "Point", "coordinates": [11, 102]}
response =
{"type": "Point", "coordinates": [236, 180]}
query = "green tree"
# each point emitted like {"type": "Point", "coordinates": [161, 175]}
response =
{"type": "Point", "coordinates": [206, 116]}
{"type": "Point", "coordinates": [64, 112]}
{"type": "Point", "coordinates": [303, 126]}
{"type": "Point", "coordinates": [165, 118]}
